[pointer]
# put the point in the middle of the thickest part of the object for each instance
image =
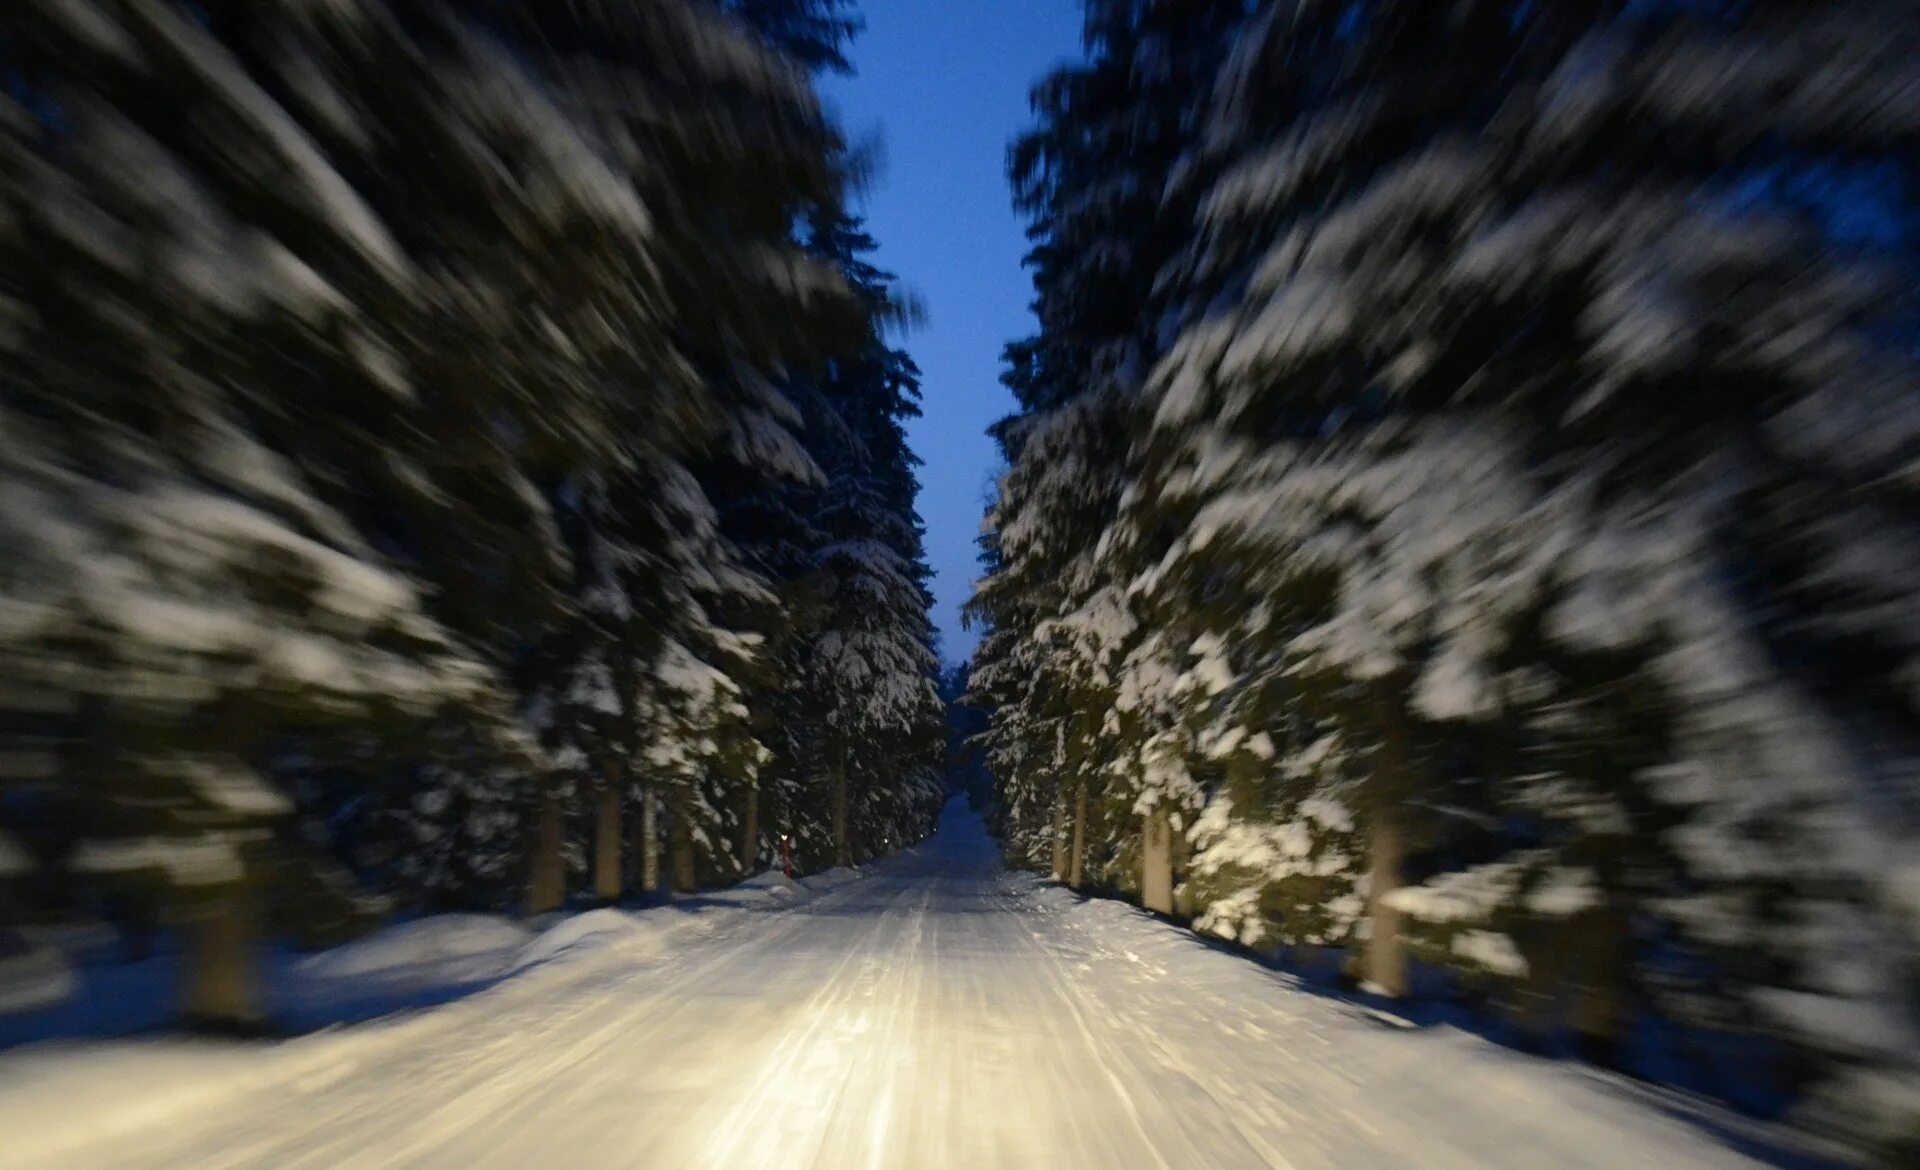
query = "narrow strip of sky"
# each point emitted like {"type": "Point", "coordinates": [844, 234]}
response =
{"type": "Point", "coordinates": [944, 83]}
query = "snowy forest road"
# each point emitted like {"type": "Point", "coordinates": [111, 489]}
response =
{"type": "Point", "coordinates": [938, 1014]}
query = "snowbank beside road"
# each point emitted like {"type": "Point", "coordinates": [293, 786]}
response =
{"type": "Point", "coordinates": [51, 1093]}
{"type": "Point", "coordinates": [456, 947]}
{"type": "Point", "coordinates": [1333, 1076]}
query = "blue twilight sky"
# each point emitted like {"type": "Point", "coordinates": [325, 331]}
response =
{"type": "Point", "coordinates": [944, 85]}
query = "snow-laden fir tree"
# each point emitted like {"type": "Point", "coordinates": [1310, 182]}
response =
{"type": "Point", "coordinates": [870, 662]}
{"type": "Point", "coordinates": [1056, 629]}
{"type": "Point", "coordinates": [313, 309]}
{"type": "Point", "coordinates": [1599, 297]}
{"type": "Point", "coordinates": [1518, 499]}
{"type": "Point", "coordinates": [1092, 178]}
{"type": "Point", "coordinates": [729, 144]}
{"type": "Point", "coordinates": [201, 341]}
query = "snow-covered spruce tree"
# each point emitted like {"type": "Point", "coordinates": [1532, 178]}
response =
{"type": "Point", "coordinates": [845, 390]}
{"type": "Point", "coordinates": [744, 156]}
{"type": "Point", "coordinates": [871, 668]}
{"type": "Point", "coordinates": [1608, 249]}
{"type": "Point", "coordinates": [1232, 734]}
{"type": "Point", "coordinates": [710, 664]}
{"type": "Point", "coordinates": [310, 298]}
{"type": "Point", "coordinates": [762, 487]}
{"type": "Point", "coordinates": [1026, 816]}
{"type": "Point", "coordinates": [871, 663]}
{"type": "Point", "coordinates": [642, 710]}
{"type": "Point", "coordinates": [453, 837]}
{"type": "Point", "coordinates": [1057, 629]}
{"type": "Point", "coordinates": [729, 144]}
{"type": "Point", "coordinates": [201, 339]}
{"type": "Point", "coordinates": [1092, 178]}
{"type": "Point", "coordinates": [1214, 598]}
{"type": "Point", "coordinates": [774, 502]}
{"type": "Point", "coordinates": [583, 708]}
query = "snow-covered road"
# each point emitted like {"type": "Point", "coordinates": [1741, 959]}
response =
{"type": "Point", "coordinates": [937, 1013]}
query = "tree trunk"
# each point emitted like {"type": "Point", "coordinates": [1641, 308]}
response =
{"type": "Point", "coordinates": [1077, 859]}
{"type": "Point", "coordinates": [1060, 835]}
{"type": "Point", "coordinates": [222, 988]}
{"type": "Point", "coordinates": [842, 852]}
{"type": "Point", "coordinates": [750, 830]}
{"type": "Point", "coordinates": [648, 846]}
{"type": "Point", "coordinates": [1156, 862]}
{"type": "Point", "coordinates": [686, 878]}
{"type": "Point", "coordinates": [1385, 966]}
{"type": "Point", "coordinates": [1181, 853]}
{"type": "Point", "coordinates": [606, 843]}
{"type": "Point", "coordinates": [548, 888]}
{"type": "Point", "coordinates": [1600, 990]}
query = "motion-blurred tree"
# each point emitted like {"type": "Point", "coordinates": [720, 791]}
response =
{"type": "Point", "coordinates": [356, 357]}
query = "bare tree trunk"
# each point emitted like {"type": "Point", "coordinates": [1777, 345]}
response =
{"type": "Point", "coordinates": [1077, 859]}
{"type": "Point", "coordinates": [1181, 854]}
{"type": "Point", "coordinates": [606, 842]}
{"type": "Point", "coordinates": [1385, 966]}
{"type": "Point", "coordinates": [649, 844]}
{"type": "Point", "coordinates": [1384, 963]}
{"type": "Point", "coordinates": [222, 989]}
{"type": "Point", "coordinates": [548, 888]}
{"type": "Point", "coordinates": [1600, 990]}
{"type": "Point", "coordinates": [686, 878]}
{"type": "Point", "coordinates": [1060, 835]}
{"type": "Point", "coordinates": [842, 850]}
{"type": "Point", "coordinates": [750, 829]}
{"type": "Point", "coordinates": [1156, 862]}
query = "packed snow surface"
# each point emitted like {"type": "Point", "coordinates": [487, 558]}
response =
{"type": "Point", "coordinates": [934, 1012]}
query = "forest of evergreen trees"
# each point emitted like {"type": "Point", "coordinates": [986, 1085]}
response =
{"type": "Point", "coordinates": [1460, 531]}
{"type": "Point", "coordinates": [451, 456]}
{"type": "Point", "coordinates": [1460, 523]}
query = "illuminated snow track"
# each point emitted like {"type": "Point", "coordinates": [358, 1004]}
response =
{"type": "Point", "coordinates": [936, 1014]}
